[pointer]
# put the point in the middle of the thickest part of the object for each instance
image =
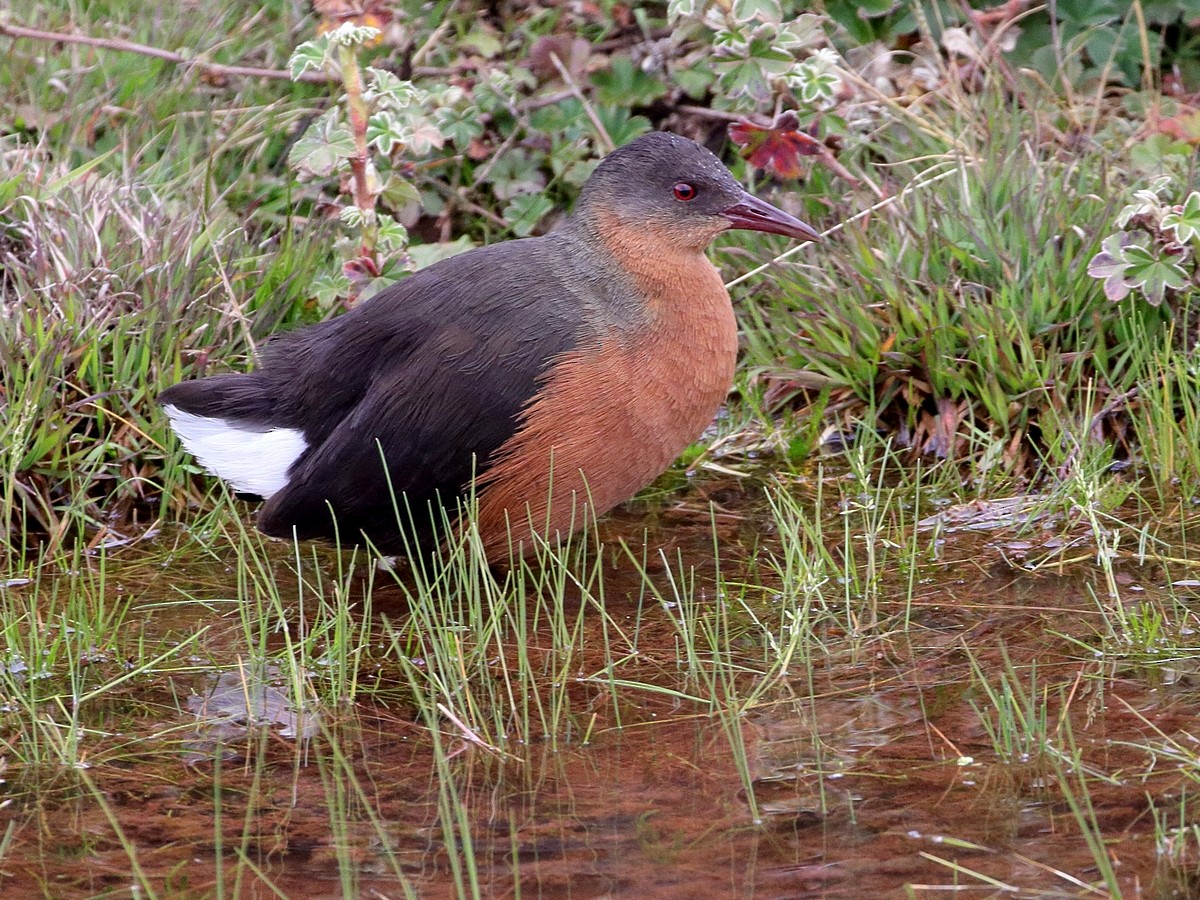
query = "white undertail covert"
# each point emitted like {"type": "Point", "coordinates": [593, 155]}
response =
{"type": "Point", "coordinates": [252, 461]}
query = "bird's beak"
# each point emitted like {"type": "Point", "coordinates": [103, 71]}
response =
{"type": "Point", "coordinates": [753, 214]}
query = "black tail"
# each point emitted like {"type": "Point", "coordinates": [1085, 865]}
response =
{"type": "Point", "coordinates": [235, 397]}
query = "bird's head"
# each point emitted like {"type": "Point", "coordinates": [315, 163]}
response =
{"type": "Point", "coordinates": [676, 191]}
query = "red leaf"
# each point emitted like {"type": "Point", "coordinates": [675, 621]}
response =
{"type": "Point", "coordinates": [360, 269]}
{"type": "Point", "coordinates": [1183, 127]}
{"type": "Point", "coordinates": [778, 147]}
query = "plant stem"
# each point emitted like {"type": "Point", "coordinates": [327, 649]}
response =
{"type": "Point", "coordinates": [199, 62]}
{"type": "Point", "coordinates": [364, 196]}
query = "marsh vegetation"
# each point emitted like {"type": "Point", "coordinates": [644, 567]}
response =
{"type": "Point", "coordinates": [917, 614]}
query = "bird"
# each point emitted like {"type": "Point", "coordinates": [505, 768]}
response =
{"type": "Point", "coordinates": [541, 381]}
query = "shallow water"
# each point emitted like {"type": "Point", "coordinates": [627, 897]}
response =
{"type": "Point", "coordinates": [870, 763]}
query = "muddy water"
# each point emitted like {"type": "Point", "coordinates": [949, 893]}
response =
{"type": "Point", "coordinates": [872, 769]}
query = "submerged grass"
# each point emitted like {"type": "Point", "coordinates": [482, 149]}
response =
{"type": "Point", "coordinates": [316, 676]}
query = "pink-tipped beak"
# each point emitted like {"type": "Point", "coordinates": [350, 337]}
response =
{"type": "Point", "coordinates": [753, 214]}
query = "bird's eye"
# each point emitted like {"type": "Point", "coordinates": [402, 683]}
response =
{"type": "Point", "coordinates": [684, 191]}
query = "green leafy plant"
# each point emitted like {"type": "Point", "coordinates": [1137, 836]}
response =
{"type": "Point", "coordinates": [382, 113]}
{"type": "Point", "coordinates": [761, 52]}
{"type": "Point", "coordinates": [1155, 255]}
{"type": "Point", "coordinates": [1074, 44]}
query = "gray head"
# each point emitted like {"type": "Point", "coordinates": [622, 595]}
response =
{"type": "Point", "coordinates": [669, 184]}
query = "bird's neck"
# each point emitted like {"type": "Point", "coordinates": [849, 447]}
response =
{"type": "Point", "coordinates": [673, 279]}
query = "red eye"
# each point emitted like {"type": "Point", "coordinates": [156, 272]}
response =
{"type": "Point", "coordinates": [684, 191]}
